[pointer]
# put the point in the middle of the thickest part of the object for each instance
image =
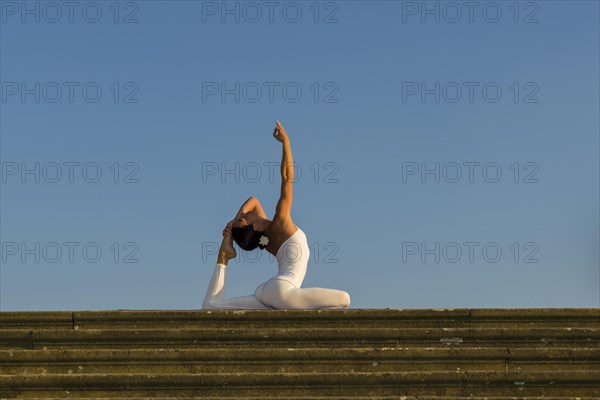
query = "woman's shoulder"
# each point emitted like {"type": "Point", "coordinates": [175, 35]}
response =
{"type": "Point", "coordinates": [282, 229]}
{"type": "Point", "coordinates": [279, 232]}
{"type": "Point", "coordinates": [283, 226]}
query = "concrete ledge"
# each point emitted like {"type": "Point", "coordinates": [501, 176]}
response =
{"type": "Point", "coordinates": [181, 316]}
{"type": "Point", "coordinates": [241, 354]}
{"type": "Point", "coordinates": [361, 337]}
{"type": "Point", "coordinates": [290, 379]}
{"type": "Point", "coordinates": [350, 398]}
{"type": "Point", "coordinates": [193, 395]}
{"type": "Point", "coordinates": [431, 383]}
{"type": "Point", "coordinates": [415, 354]}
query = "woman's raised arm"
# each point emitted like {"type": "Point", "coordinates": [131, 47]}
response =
{"type": "Point", "coordinates": [284, 205]}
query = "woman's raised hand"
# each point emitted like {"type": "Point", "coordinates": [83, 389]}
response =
{"type": "Point", "coordinates": [279, 133]}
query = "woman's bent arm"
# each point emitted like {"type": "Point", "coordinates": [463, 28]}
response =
{"type": "Point", "coordinates": [252, 204]}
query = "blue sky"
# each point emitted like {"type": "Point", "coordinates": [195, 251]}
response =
{"type": "Point", "coordinates": [444, 163]}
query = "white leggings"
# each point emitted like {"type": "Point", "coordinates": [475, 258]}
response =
{"type": "Point", "coordinates": [274, 294]}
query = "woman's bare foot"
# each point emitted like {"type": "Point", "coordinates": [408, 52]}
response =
{"type": "Point", "coordinates": [227, 251]}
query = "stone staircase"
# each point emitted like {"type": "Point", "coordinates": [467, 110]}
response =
{"type": "Point", "coordinates": [412, 354]}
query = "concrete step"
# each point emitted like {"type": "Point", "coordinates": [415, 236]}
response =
{"type": "Point", "coordinates": [343, 398]}
{"type": "Point", "coordinates": [350, 318]}
{"type": "Point", "coordinates": [555, 383]}
{"type": "Point", "coordinates": [226, 360]}
{"type": "Point", "coordinates": [419, 354]}
{"type": "Point", "coordinates": [325, 337]}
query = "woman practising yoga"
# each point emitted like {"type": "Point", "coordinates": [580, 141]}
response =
{"type": "Point", "coordinates": [250, 229]}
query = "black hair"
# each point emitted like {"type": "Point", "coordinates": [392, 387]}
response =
{"type": "Point", "coordinates": [247, 238]}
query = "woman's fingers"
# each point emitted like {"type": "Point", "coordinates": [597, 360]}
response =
{"type": "Point", "coordinates": [282, 134]}
{"type": "Point", "coordinates": [278, 133]}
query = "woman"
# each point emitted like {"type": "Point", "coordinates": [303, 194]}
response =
{"type": "Point", "coordinates": [250, 229]}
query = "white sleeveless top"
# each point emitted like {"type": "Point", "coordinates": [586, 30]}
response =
{"type": "Point", "coordinates": [292, 258]}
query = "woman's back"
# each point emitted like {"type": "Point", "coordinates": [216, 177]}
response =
{"type": "Point", "coordinates": [292, 258]}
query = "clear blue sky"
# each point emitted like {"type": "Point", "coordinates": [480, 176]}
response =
{"type": "Point", "coordinates": [387, 94]}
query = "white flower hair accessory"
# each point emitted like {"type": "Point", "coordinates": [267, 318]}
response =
{"type": "Point", "coordinates": [264, 241]}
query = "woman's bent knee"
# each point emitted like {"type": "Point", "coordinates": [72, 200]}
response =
{"type": "Point", "coordinates": [275, 294]}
